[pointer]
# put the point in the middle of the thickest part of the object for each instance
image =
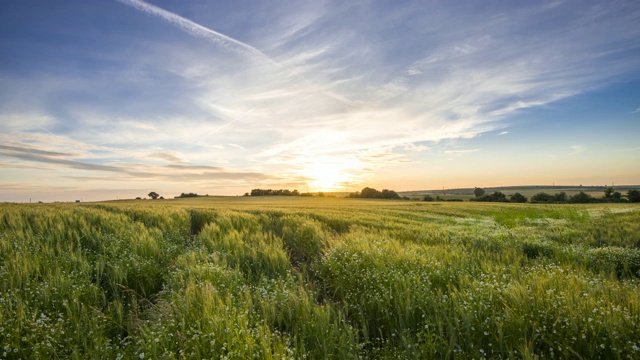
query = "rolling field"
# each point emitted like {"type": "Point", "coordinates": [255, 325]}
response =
{"type": "Point", "coordinates": [318, 278]}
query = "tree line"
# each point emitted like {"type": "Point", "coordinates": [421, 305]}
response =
{"type": "Point", "coordinates": [280, 192]}
{"type": "Point", "coordinates": [370, 193]}
{"type": "Point", "coordinates": [610, 196]}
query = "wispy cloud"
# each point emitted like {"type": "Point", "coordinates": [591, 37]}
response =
{"type": "Point", "coordinates": [309, 87]}
{"type": "Point", "coordinates": [199, 30]}
{"type": "Point", "coordinates": [577, 149]}
{"type": "Point", "coordinates": [130, 171]}
{"type": "Point", "coordinates": [636, 111]}
{"type": "Point", "coordinates": [24, 150]}
{"type": "Point", "coordinates": [13, 122]}
{"type": "Point", "coordinates": [168, 156]}
{"type": "Point", "coordinates": [460, 152]}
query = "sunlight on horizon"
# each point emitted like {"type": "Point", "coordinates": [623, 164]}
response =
{"type": "Point", "coordinates": [331, 174]}
{"type": "Point", "coordinates": [204, 97]}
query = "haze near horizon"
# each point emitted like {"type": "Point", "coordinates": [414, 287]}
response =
{"type": "Point", "coordinates": [114, 99]}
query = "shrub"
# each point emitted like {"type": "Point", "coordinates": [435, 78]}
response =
{"type": "Point", "coordinates": [560, 197]}
{"type": "Point", "coordinates": [371, 193]}
{"type": "Point", "coordinates": [625, 262]}
{"type": "Point", "coordinates": [581, 198]}
{"type": "Point", "coordinates": [534, 249]}
{"type": "Point", "coordinates": [518, 198]}
{"type": "Point", "coordinates": [496, 196]}
{"type": "Point", "coordinates": [633, 195]}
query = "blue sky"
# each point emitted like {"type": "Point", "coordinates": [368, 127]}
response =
{"type": "Point", "coordinates": [113, 99]}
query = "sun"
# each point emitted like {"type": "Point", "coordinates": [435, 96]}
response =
{"type": "Point", "coordinates": [333, 175]}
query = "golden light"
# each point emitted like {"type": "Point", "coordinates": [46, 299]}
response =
{"type": "Point", "coordinates": [331, 174]}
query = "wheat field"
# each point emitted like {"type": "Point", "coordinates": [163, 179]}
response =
{"type": "Point", "coordinates": [318, 278]}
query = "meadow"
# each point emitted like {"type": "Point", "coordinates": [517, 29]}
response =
{"type": "Point", "coordinates": [319, 278]}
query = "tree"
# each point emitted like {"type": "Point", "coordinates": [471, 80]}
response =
{"type": "Point", "coordinates": [427, 198]}
{"type": "Point", "coordinates": [542, 197]}
{"type": "Point", "coordinates": [616, 196]}
{"type": "Point", "coordinates": [499, 196]}
{"type": "Point", "coordinates": [369, 193]}
{"type": "Point", "coordinates": [633, 195]}
{"type": "Point", "coordinates": [389, 194]}
{"type": "Point", "coordinates": [560, 197]}
{"type": "Point", "coordinates": [478, 192]}
{"type": "Point", "coordinates": [518, 198]}
{"type": "Point", "coordinates": [154, 195]}
{"type": "Point", "coordinates": [608, 192]}
{"type": "Point", "coordinates": [581, 198]}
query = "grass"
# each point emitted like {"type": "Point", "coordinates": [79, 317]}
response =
{"type": "Point", "coordinates": [319, 278]}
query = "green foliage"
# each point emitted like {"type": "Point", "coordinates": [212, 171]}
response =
{"type": "Point", "coordinates": [269, 192]}
{"type": "Point", "coordinates": [608, 192]}
{"type": "Point", "coordinates": [542, 197]}
{"type": "Point", "coordinates": [534, 248]}
{"type": "Point", "coordinates": [623, 261]}
{"type": "Point", "coordinates": [581, 198]}
{"type": "Point", "coordinates": [293, 278]}
{"type": "Point", "coordinates": [153, 195]}
{"type": "Point", "coordinates": [633, 196]}
{"type": "Point", "coordinates": [428, 198]}
{"type": "Point", "coordinates": [518, 198]}
{"type": "Point", "coordinates": [557, 198]}
{"type": "Point", "coordinates": [496, 196]}
{"type": "Point", "coordinates": [370, 193]}
{"type": "Point", "coordinates": [560, 197]}
{"type": "Point", "coordinates": [304, 238]}
{"type": "Point", "coordinates": [187, 195]}
{"type": "Point", "coordinates": [478, 192]}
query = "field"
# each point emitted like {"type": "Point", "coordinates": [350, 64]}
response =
{"type": "Point", "coordinates": [318, 278]}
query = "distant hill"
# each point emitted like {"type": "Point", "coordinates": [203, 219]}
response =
{"type": "Point", "coordinates": [526, 190]}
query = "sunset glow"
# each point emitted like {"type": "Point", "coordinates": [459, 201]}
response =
{"type": "Point", "coordinates": [331, 176]}
{"type": "Point", "coordinates": [113, 99]}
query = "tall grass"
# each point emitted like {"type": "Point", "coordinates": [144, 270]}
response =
{"type": "Point", "coordinates": [318, 278]}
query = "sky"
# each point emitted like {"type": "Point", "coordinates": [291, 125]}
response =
{"type": "Point", "coordinates": [112, 99]}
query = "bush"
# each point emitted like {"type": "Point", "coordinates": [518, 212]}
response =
{"type": "Point", "coordinates": [518, 198]}
{"type": "Point", "coordinates": [625, 262]}
{"type": "Point", "coordinates": [189, 195]}
{"type": "Point", "coordinates": [545, 198]}
{"type": "Point", "coordinates": [534, 249]}
{"type": "Point", "coordinates": [270, 192]}
{"type": "Point", "coordinates": [371, 193]}
{"type": "Point", "coordinates": [496, 196]}
{"type": "Point", "coordinates": [633, 195]}
{"type": "Point", "coordinates": [560, 197]}
{"type": "Point", "coordinates": [542, 197]}
{"type": "Point", "coordinates": [581, 198]}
